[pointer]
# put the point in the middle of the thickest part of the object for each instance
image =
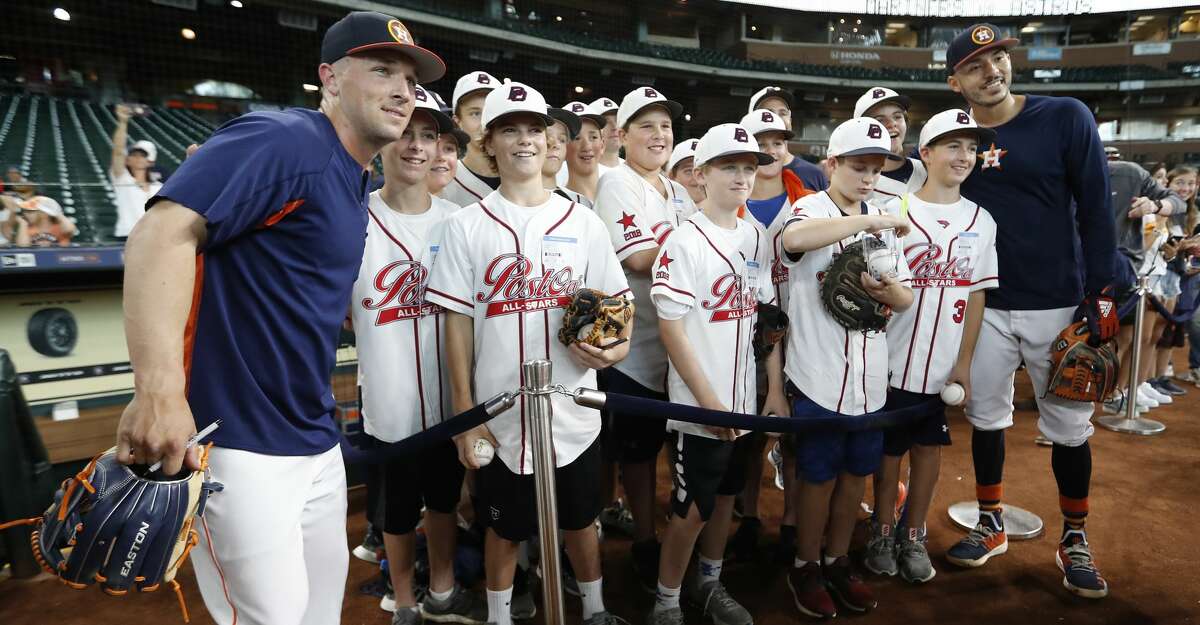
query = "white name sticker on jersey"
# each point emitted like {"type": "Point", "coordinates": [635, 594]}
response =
{"type": "Point", "coordinates": [557, 252]}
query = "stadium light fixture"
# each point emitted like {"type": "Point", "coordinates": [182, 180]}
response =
{"type": "Point", "coordinates": [187, 33]}
{"type": "Point", "coordinates": [753, 29]}
{"type": "Point", "coordinates": [311, 87]}
{"type": "Point", "coordinates": [237, 4]}
{"type": "Point", "coordinates": [558, 18]}
{"type": "Point", "coordinates": [687, 117]}
{"type": "Point", "coordinates": [61, 14]}
{"type": "Point", "coordinates": [578, 89]}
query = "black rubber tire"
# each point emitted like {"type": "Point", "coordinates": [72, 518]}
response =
{"type": "Point", "coordinates": [53, 332]}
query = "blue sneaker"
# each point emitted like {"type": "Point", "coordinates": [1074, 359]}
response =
{"type": "Point", "coordinates": [1080, 575]}
{"type": "Point", "coordinates": [986, 540]}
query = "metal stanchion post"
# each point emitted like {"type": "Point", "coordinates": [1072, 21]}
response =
{"type": "Point", "coordinates": [1131, 423]}
{"type": "Point", "coordinates": [537, 385]}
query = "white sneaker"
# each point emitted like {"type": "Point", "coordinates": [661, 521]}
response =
{"type": "Point", "coordinates": [1144, 399]}
{"type": "Point", "coordinates": [1116, 405]}
{"type": "Point", "coordinates": [1155, 394]}
{"type": "Point", "coordinates": [1170, 370]}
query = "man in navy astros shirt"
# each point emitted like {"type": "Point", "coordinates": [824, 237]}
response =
{"type": "Point", "coordinates": [236, 283]}
{"type": "Point", "coordinates": [1045, 182]}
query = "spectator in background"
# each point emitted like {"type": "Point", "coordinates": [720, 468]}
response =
{"type": "Point", "coordinates": [129, 173]}
{"type": "Point", "coordinates": [34, 220]}
{"type": "Point", "coordinates": [1135, 195]}
{"type": "Point", "coordinates": [780, 102]}
{"type": "Point", "coordinates": [1160, 174]}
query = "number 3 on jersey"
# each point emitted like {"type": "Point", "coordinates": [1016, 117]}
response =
{"type": "Point", "coordinates": [960, 310]}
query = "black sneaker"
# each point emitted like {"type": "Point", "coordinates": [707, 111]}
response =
{"type": "Point", "coordinates": [645, 564]}
{"type": "Point", "coordinates": [371, 547]}
{"type": "Point", "coordinates": [743, 545]}
{"type": "Point", "coordinates": [847, 588]}
{"type": "Point", "coordinates": [522, 606]}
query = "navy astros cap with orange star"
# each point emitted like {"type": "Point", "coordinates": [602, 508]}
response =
{"type": "Point", "coordinates": [361, 31]}
{"type": "Point", "coordinates": [974, 41]}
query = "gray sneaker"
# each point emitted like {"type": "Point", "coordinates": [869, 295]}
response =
{"type": "Point", "coordinates": [463, 606]}
{"type": "Point", "coordinates": [881, 551]}
{"type": "Point", "coordinates": [406, 616]}
{"type": "Point", "coordinates": [716, 603]}
{"type": "Point", "coordinates": [674, 616]}
{"type": "Point", "coordinates": [605, 618]}
{"type": "Point", "coordinates": [913, 560]}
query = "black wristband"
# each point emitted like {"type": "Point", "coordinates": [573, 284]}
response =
{"type": "Point", "coordinates": [1158, 206]}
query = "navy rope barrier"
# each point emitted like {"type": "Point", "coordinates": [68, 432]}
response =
{"type": "Point", "coordinates": [381, 452]}
{"type": "Point", "coordinates": [375, 453]}
{"type": "Point", "coordinates": [629, 404]}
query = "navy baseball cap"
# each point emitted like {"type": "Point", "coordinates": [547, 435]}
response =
{"type": "Point", "coordinates": [975, 41]}
{"type": "Point", "coordinates": [361, 31]}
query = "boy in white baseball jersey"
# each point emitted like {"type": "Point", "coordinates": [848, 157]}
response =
{"type": "Point", "coordinates": [400, 370]}
{"type": "Point", "coordinates": [833, 370]}
{"type": "Point", "coordinates": [682, 169]}
{"type": "Point", "coordinates": [641, 207]}
{"type": "Point", "coordinates": [583, 155]}
{"type": "Point", "coordinates": [951, 253]}
{"type": "Point", "coordinates": [708, 279]}
{"type": "Point", "coordinates": [564, 130]}
{"type": "Point", "coordinates": [776, 188]}
{"type": "Point", "coordinates": [507, 267]}
{"type": "Point", "coordinates": [611, 159]}
{"type": "Point", "coordinates": [889, 108]}
{"type": "Point", "coordinates": [476, 177]}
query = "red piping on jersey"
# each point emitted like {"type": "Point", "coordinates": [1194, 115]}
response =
{"type": "Point", "coordinates": [667, 286]}
{"type": "Point", "coordinates": [912, 340]}
{"type": "Point", "coordinates": [449, 297]}
{"type": "Point", "coordinates": [633, 243]}
{"type": "Point", "coordinates": [189, 328]}
{"type": "Point", "coordinates": [546, 313]}
{"type": "Point", "coordinates": [520, 335]}
{"type": "Point", "coordinates": [933, 339]}
{"type": "Point", "coordinates": [477, 196]}
{"type": "Point", "coordinates": [845, 369]}
{"type": "Point", "coordinates": [416, 326]}
{"type": "Point", "coordinates": [985, 280]}
{"type": "Point", "coordinates": [621, 292]}
{"type": "Point", "coordinates": [710, 244]}
{"type": "Point", "coordinates": [570, 209]}
{"type": "Point", "coordinates": [278, 215]}
{"type": "Point", "coordinates": [389, 235]}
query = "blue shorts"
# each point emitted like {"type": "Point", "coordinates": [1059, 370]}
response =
{"type": "Point", "coordinates": [822, 456]}
{"type": "Point", "coordinates": [931, 430]}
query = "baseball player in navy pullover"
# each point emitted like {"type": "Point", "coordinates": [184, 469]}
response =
{"type": "Point", "coordinates": [1045, 180]}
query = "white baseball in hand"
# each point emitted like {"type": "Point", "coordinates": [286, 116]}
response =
{"type": "Point", "coordinates": [881, 263]}
{"type": "Point", "coordinates": [953, 394]}
{"type": "Point", "coordinates": [484, 452]}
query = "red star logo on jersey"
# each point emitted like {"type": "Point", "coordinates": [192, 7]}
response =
{"type": "Point", "coordinates": [626, 220]}
{"type": "Point", "coordinates": [665, 260]}
{"type": "Point", "coordinates": [991, 157]}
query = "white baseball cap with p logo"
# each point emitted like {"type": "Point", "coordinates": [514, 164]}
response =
{"type": "Point", "coordinates": [686, 149]}
{"type": "Point", "coordinates": [477, 80]}
{"type": "Point", "coordinates": [761, 120]}
{"type": "Point", "coordinates": [951, 121]}
{"type": "Point", "coordinates": [728, 140]}
{"type": "Point", "coordinates": [639, 99]}
{"type": "Point", "coordinates": [512, 98]}
{"type": "Point", "coordinates": [878, 95]}
{"type": "Point", "coordinates": [861, 136]}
